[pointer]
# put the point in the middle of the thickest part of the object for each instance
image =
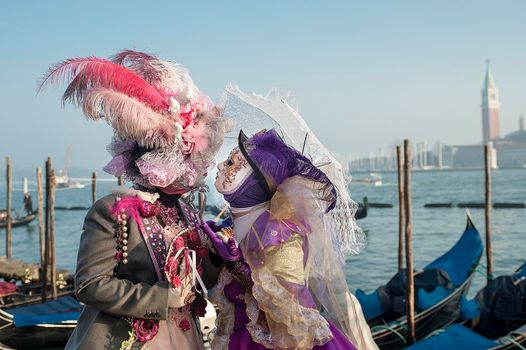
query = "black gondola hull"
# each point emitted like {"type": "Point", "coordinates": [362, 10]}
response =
{"type": "Point", "coordinates": [35, 337]}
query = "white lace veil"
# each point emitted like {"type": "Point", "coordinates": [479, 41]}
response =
{"type": "Point", "coordinates": [334, 232]}
{"type": "Point", "coordinates": [253, 113]}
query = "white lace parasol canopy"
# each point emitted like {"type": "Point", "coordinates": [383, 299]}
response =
{"type": "Point", "coordinates": [253, 113]}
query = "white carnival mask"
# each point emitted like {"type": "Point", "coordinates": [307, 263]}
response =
{"type": "Point", "coordinates": [232, 172]}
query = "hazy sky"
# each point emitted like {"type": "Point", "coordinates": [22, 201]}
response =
{"type": "Point", "coordinates": [364, 73]}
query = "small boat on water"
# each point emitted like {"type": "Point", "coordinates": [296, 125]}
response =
{"type": "Point", "coordinates": [495, 319]}
{"type": "Point", "coordinates": [63, 182]}
{"type": "Point", "coordinates": [361, 212]}
{"type": "Point", "coordinates": [17, 220]}
{"type": "Point", "coordinates": [374, 179]}
{"type": "Point", "coordinates": [438, 291]}
{"type": "Point", "coordinates": [39, 325]}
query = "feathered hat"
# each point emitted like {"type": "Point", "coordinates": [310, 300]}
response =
{"type": "Point", "coordinates": [273, 161]}
{"type": "Point", "coordinates": [166, 132]}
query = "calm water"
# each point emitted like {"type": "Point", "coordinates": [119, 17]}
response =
{"type": "Point", "coordinates": [434, 230]}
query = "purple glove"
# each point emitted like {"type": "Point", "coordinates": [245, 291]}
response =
{"type": "Point", "coordinates": [233, 257]}
{"type": "Point", "coordinates": [229, 251]}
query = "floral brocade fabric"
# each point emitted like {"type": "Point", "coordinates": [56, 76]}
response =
{"type": "Point", "coordinates": [164, 231]}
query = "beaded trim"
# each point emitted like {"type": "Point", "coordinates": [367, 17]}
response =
{"type": "Point", "coordinates": [121, 236]}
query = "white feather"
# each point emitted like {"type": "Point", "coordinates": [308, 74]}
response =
{"type": "Point", "coordinates": [129, 118]}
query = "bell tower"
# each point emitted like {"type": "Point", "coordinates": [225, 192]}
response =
{"type": "Point", "coordinates": [490, 108]}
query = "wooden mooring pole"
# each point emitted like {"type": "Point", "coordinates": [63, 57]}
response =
{"type": "Point", "coordinates": [46, 232]}
{"type": "Point", "coordinates": [410, 298]}
{"type": "Point", "coordinates": [120, 181]}
{"type": "Point", "coordinates": [93, 187]}
{"type": "Point", "coordinates": [489, 258]}
{"type": "Point", "coordinates": [40, 206]}
{"type": "Point", "coordinates": [52, 253]}
{"type": "Point", "coordinates": [8, 205]}
{"type": "Point", "coordinates": [401, 209]}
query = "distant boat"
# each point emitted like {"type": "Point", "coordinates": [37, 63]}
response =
{"type": "Point", "coordinates": [361, 212]}
{"type": "Point", "coordinates": [436, 305]}
{"type": "Point", "coordinates": [372, 179]}
{"type": "Point", "coordinates": [16, 221]}
{"type": "Point", "coordinates": [63, 181]}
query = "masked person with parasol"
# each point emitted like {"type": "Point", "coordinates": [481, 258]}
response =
{"type": "Point", "coordinates": [280, 263]}
{"type": "Point", "coordinates": [143, 266]}
{"type": "Point", "coordinates": [283, 256]}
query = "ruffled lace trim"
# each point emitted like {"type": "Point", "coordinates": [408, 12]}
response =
{"type": "Point", "coordinates": [150, 197]}
{"type": "Point", "coordinates": [225, 316]}
{"type": "Point", "coordinates": [290, 325]}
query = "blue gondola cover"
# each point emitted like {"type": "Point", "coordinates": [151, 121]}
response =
{"type": "Point", "coordinates": [456, 337]}
{"type": "Point", "coordinates": [371, 304]}
{"type": "Point", "coordinates": [56, 311]}
{"type": "Point", "coordinates": [458, 262]}
{"type": "Point", "coordinates": [426, 300]}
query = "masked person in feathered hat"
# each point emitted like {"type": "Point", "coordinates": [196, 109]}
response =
{"type": "Point", "coordinates": [143, 266]}
{"type": "Point", "coordinates": [280, 260]}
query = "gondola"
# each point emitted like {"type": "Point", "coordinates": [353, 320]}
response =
{"type": "Point", "coordinates": [39, 325]}
{"type": "Point", "coordinates": [361, 212]}
{"type": "Point", "coordinates": [471, 334]}
{"type": "Point", "coordinates": [434, 307]}
{"type": "Point", "coordinates": [19, 221]}
{"type": "Point", "coordinates": [29, 293]}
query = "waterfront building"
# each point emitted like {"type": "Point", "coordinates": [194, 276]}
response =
{"type": "Point", "coordinates": [506, 152]}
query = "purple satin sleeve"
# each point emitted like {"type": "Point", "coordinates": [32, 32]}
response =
{"type": "Point", "coordinates": [268, 233]}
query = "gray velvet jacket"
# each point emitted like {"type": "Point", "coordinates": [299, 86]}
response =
{"type": "Point", "coordinates": [110, 291]}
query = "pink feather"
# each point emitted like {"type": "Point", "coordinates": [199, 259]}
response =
{"type": "Point", "coordinates": [131, 206]}
{"type": "Point", "coordinates": [129, 118]}
{"type": "Point", "coordinates": [84, 73]}
{"type": "Point", "coordinates": [139, 62]}
{"type": "Point", "coordinates": [170, 78]}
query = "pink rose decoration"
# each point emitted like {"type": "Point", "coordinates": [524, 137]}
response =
{"type": "Point", "coordinates": [202, 252]}
{"type": "Point", "coordinates": [179, 243]}
{"type": "Point", "coordinates": [176, 281]}
{"type": "Point", "coordinates": [148, 209]}
{"type": "Point", "coordinates": [184, 325]}
{"type": "Point", "coordinates": [199, 306]}
{"type": "Point", "coordinates": [187, 113]}
{"type": "Point", "coordinates": [193, 236]}
{"type": "Point", "coordinates": [145, 330]}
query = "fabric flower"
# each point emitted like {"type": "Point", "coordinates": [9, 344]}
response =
{"type": "Point", "coordinates": [179, 243]}
{"type": "Point", "coordinates": [148, 209]}
{"type": "Point", "coordinates": [176, 281]}
{"type": "Point", "coordinates": [184, 325]}
{"type": "Point", "coordinates": [202, 252]}
{"type": "Point", "coordinates": [145, 330]}
{"type": "Point", "coordinates": [199, 306]}
{"type": "Point", "coordinates": [187, 114]}
{"type": "Point", "coordinates": [193, 236]}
